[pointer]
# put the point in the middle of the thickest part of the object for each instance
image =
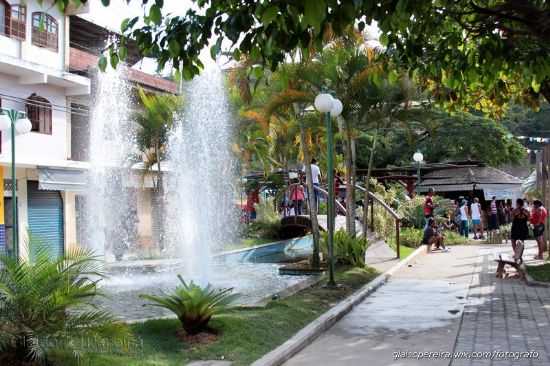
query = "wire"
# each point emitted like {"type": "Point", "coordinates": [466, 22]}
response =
{"type": "Point", "coordinates": [79, 111]}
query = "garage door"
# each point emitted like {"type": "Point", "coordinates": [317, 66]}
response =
{"type": "Point", "coordinates": [45, 217]}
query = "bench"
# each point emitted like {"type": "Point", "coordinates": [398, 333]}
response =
{"type": "Point", "coordinates": [515, 262]}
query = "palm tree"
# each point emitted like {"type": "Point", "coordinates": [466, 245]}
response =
{"type": "Point", "coordinates": [48, 305]}
{"type": "Point", "coordinates": [155, 121]}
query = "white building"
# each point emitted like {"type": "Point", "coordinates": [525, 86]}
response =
{"type": "Point", "coordinates": [45, 73]}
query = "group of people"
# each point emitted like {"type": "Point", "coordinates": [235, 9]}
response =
{"type": "Point", "coordinates": [521, 217]}
{"type": "Point", "coordinates": [294, 202]}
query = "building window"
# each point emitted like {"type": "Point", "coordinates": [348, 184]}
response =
{"type": "Point", "coordinates": [13, 20]}
{"type": "Point", "coordinates": [44, 31]}
{"type": "Point", "coordinates": [18, 22]}
{"type": "Point", "coordinates": [39, 112]}
{"type": "Point", "coordinates": [4, 17]}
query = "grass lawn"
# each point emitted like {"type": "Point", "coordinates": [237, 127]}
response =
{"type": "Point", "coordinates": [540, 273]}
{"type": "Point", "coordinates": [245, 334]}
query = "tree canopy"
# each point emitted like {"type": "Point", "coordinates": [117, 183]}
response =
{"type": "Point", "coordinates": [476, 53]}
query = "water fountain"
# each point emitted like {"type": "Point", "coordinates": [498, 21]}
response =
{"type": "Point", "coordinates": [199, 210]}
{"type": "Point", "coordinates": [200, 193]}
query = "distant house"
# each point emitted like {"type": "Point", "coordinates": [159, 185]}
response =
{"type": "Point", "coordinates": [483, 182]}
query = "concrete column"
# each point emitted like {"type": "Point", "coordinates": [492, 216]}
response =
{"type": "Point", "coordinates": [69, 220]}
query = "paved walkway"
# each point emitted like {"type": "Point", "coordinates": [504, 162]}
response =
{"type": "Point", "coordinates": [442, 302]}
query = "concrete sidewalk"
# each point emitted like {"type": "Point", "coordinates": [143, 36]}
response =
{"type": "Point", "coordinates": [419, 309]}
{"type": "Point", "coordinates": [442, 302]}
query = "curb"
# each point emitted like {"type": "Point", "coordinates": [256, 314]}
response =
{"type": "Point", "coordinates": [311, 331]}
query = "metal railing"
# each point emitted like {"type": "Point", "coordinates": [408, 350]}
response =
{"type": "Point", "coordinates": [374, 198]}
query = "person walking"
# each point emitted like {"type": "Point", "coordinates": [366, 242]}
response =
{"type": "Point", "coordinates": [520, 227]}
{"type": "Point", "coordinates": [297, 196]}
{"type": "Point", "coordinates": [464, 218]}
{"type": "Point", "coordinates": [538, 219]}
{"type": "Point", "coordinates": [475, 209]}
{"type": "Point", "coordinates": [493, 215]}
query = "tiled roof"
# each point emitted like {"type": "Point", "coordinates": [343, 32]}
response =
{"type": "Point", "coordinates": [468, 175]}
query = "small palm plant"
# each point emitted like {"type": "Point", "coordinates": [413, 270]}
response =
{"type": "Point", "coordinates": [194, 305]}
{"type": "Point", "coordinates": [46, 305]}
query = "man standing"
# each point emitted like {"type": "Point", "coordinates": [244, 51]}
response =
{"type": "Point", "coordinates": [538, 218]}
{"type": "Point", "coordinates": [464, 218]}
{"type": "Point", "coordinates": [429, 204]}
{"type": "Point", "coordinates": [475, 208]}
{"type": "Point", "coordinates": [316, 180]}
{"type": "Point", "coordinates": [493, 215]}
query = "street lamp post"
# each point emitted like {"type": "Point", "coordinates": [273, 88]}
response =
{"type": "Point", "coordinates": [15, 121]}
{"type": "Point", "coordinates": [330, 107]}
{"type": "Point", "coordinates": [418, 158]}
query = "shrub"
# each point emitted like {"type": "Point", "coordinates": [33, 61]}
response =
{"type": "Point", "coordinates": [412, 211]}
{"type": "Point", "coordinates": [46, 306]}
{"type": "Point", "coordinates": [410, 237]}
{"type": "Point", "coordinates": [194, 306]}
{"type": "Point", "coordinates": [348, 250]}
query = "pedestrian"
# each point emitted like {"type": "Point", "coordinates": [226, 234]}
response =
{"type": "Point", "coordinates": [432, 236]}
{"type": "Point", "coordinates": [316, 180]}
{"type": "Point", "coordinates": [520, 228]}
{"type": "Point", "coordinates": [464, 218]}
{"type": "Point", "coordinates": [297, 196]}
{"type": "Point", "coordinates": [429, 204]}
{"type": "Point", "coordinates": [538, 219]}
{"type": "Point", "coordinates": [508, 211]}
{"type": "Point", "coordinates": [493, 215]}
{"type": "Point", "coordinates": [475, 209]}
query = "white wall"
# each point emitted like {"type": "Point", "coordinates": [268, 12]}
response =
{"type": "Point", "coordinates": [26, 50]}
{"type": "Point", "coordinates": [35, 146]}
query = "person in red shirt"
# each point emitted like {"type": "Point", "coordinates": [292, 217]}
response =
{"type": "Point", "coordinates": [538, 219]}
{"type": "Point", "coordinates": [429, 204]}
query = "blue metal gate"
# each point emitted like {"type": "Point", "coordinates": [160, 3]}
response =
{"type": "Point", "coordinates": [45, 217]}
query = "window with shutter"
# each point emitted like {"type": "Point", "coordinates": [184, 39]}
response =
{"type": "Point", "coordinates": [44, 31]}
{"type": "Point", "coordinates": [39, 112]}
{"type": "Point", "coordinates": [18, 22]}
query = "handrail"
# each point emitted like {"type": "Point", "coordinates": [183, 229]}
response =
{"type": "Point", "coordinates": [338, 203]}
{"type": "Point", "coordinates": [381, 202]}
{"type": "Point", "coordinates": [390, 210]}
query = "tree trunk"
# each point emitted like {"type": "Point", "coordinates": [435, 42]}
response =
{"type": "Point", "coordinates": [366, 199]}
{"type": "Point", "coordinates": [160, 193]}
{"type": "Point", "coordinates": [350, 207]}
{"type": "Point", "coordinates": [315, 262]}
{"type": "Point", "coordinates": [545, 89]}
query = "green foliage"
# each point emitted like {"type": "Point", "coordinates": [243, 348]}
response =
{"type": "Point", "coordinates": [47, 305]}
{"type": "Point", "coordinates": [469, 53]}
{"type": "Point", "coordinates": [194, 305]}
{"type": "Point", "coordinates": [155, 121]}
{"type": "Point", "coordinates": [348, 250]}
{"type": "Point", "coordinates": [412, 211]}
{"type": "Point", "coordinates": [443, 137]}
{"type": "Point", "coordinates": [410, 237]}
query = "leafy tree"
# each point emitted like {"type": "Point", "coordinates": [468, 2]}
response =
{"type": "Point", "coordinates": [477, 53]}
{"type": "Point", "coordinates": [442, 136]}
{"type": "Point", "coordinates": [526, 122]}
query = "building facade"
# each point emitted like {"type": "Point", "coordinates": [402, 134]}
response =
{"type": "Point", "coordinates": [46, 74]}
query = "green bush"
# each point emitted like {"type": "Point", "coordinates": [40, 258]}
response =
{"type": "Point", "coordinates": [348, 250]}
{"type": "Point", "coordinates": [47, 306]}
{"type": "Point", "coordinates": [410, 237]}
{"type": "Point", "coordinates": [194, 306]}
{"type": "Point", "coordinates": [412, 211]}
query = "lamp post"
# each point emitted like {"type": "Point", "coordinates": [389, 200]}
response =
{"type": "Point", "coordinates": [15, 121]}
{"type": "Point", "coordinates": [418, 158]}
{"type": "Point", "coordinates": [330, 107]}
